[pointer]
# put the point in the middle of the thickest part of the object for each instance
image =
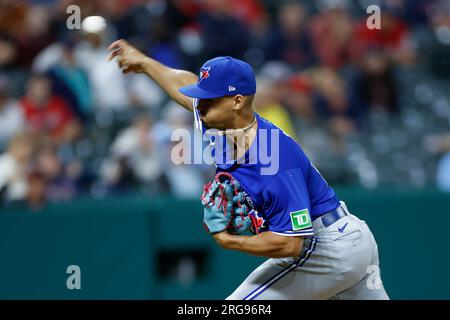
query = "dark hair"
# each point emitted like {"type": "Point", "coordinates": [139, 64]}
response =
{"type": "Point", "coordinates": [249, 100]}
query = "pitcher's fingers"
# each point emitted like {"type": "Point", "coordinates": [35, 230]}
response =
{"type": "Point", "coordinates": [120, 62]}
{"type": "Point", "coordinates": [126, 69]}
{"type": "Point", "coordinates": [118, 44]}
{"type": "Point", "coordinates": [114, 54]}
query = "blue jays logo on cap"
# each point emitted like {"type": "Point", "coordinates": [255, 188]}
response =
{"type": "Point", "coordinates": [204, 73]}
{"type": "Point", "coordinates": [222, 76]}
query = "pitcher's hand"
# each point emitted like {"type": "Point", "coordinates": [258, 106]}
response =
{"type": "Point", "coordinates": [128, 57]}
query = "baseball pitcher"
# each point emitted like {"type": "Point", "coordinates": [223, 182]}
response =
{"type": "Point", "coordinates": [286, 212]}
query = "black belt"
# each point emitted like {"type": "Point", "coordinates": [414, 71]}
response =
{"type": "Point", "coordinates": [332, 216]}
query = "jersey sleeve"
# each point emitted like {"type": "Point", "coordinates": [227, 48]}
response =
{"type": "Point", "coordinates": [286, 204]}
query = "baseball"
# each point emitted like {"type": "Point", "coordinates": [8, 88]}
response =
{"type": "Point", "coordinates": [93, 24]}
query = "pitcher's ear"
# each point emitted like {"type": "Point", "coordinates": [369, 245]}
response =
{"type": "Point", "coordinates": [238, 102]}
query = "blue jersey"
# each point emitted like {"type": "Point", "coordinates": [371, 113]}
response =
{"type": "Point", "coordinates": [289, 199]}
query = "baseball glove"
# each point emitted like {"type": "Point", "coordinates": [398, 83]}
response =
{"type": "Point", "coordinates": [226, 206]}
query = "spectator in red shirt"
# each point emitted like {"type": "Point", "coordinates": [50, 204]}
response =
{"type": "Point", "coordinates": [47, 113]}
{"type": "Point", "coordinates": [331, 34]}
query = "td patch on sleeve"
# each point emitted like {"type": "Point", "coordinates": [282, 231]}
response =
{"type": "Point", "coordinates": [300, 220]}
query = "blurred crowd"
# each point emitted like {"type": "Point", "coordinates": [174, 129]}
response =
{"type": "Point", "coordinates": [370, 107]}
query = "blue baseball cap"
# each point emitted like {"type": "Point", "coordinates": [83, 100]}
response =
{"type": "Point", "coordinates": [222, 76]}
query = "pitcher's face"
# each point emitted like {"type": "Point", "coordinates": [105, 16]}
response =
{"type": "Point", "coordinates": [218, 113]}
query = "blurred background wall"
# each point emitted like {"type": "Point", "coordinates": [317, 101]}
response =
{"type": "Point", "coordinates": [84, 171]}
{"type": "Point", "coordinates": [135, 248]}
